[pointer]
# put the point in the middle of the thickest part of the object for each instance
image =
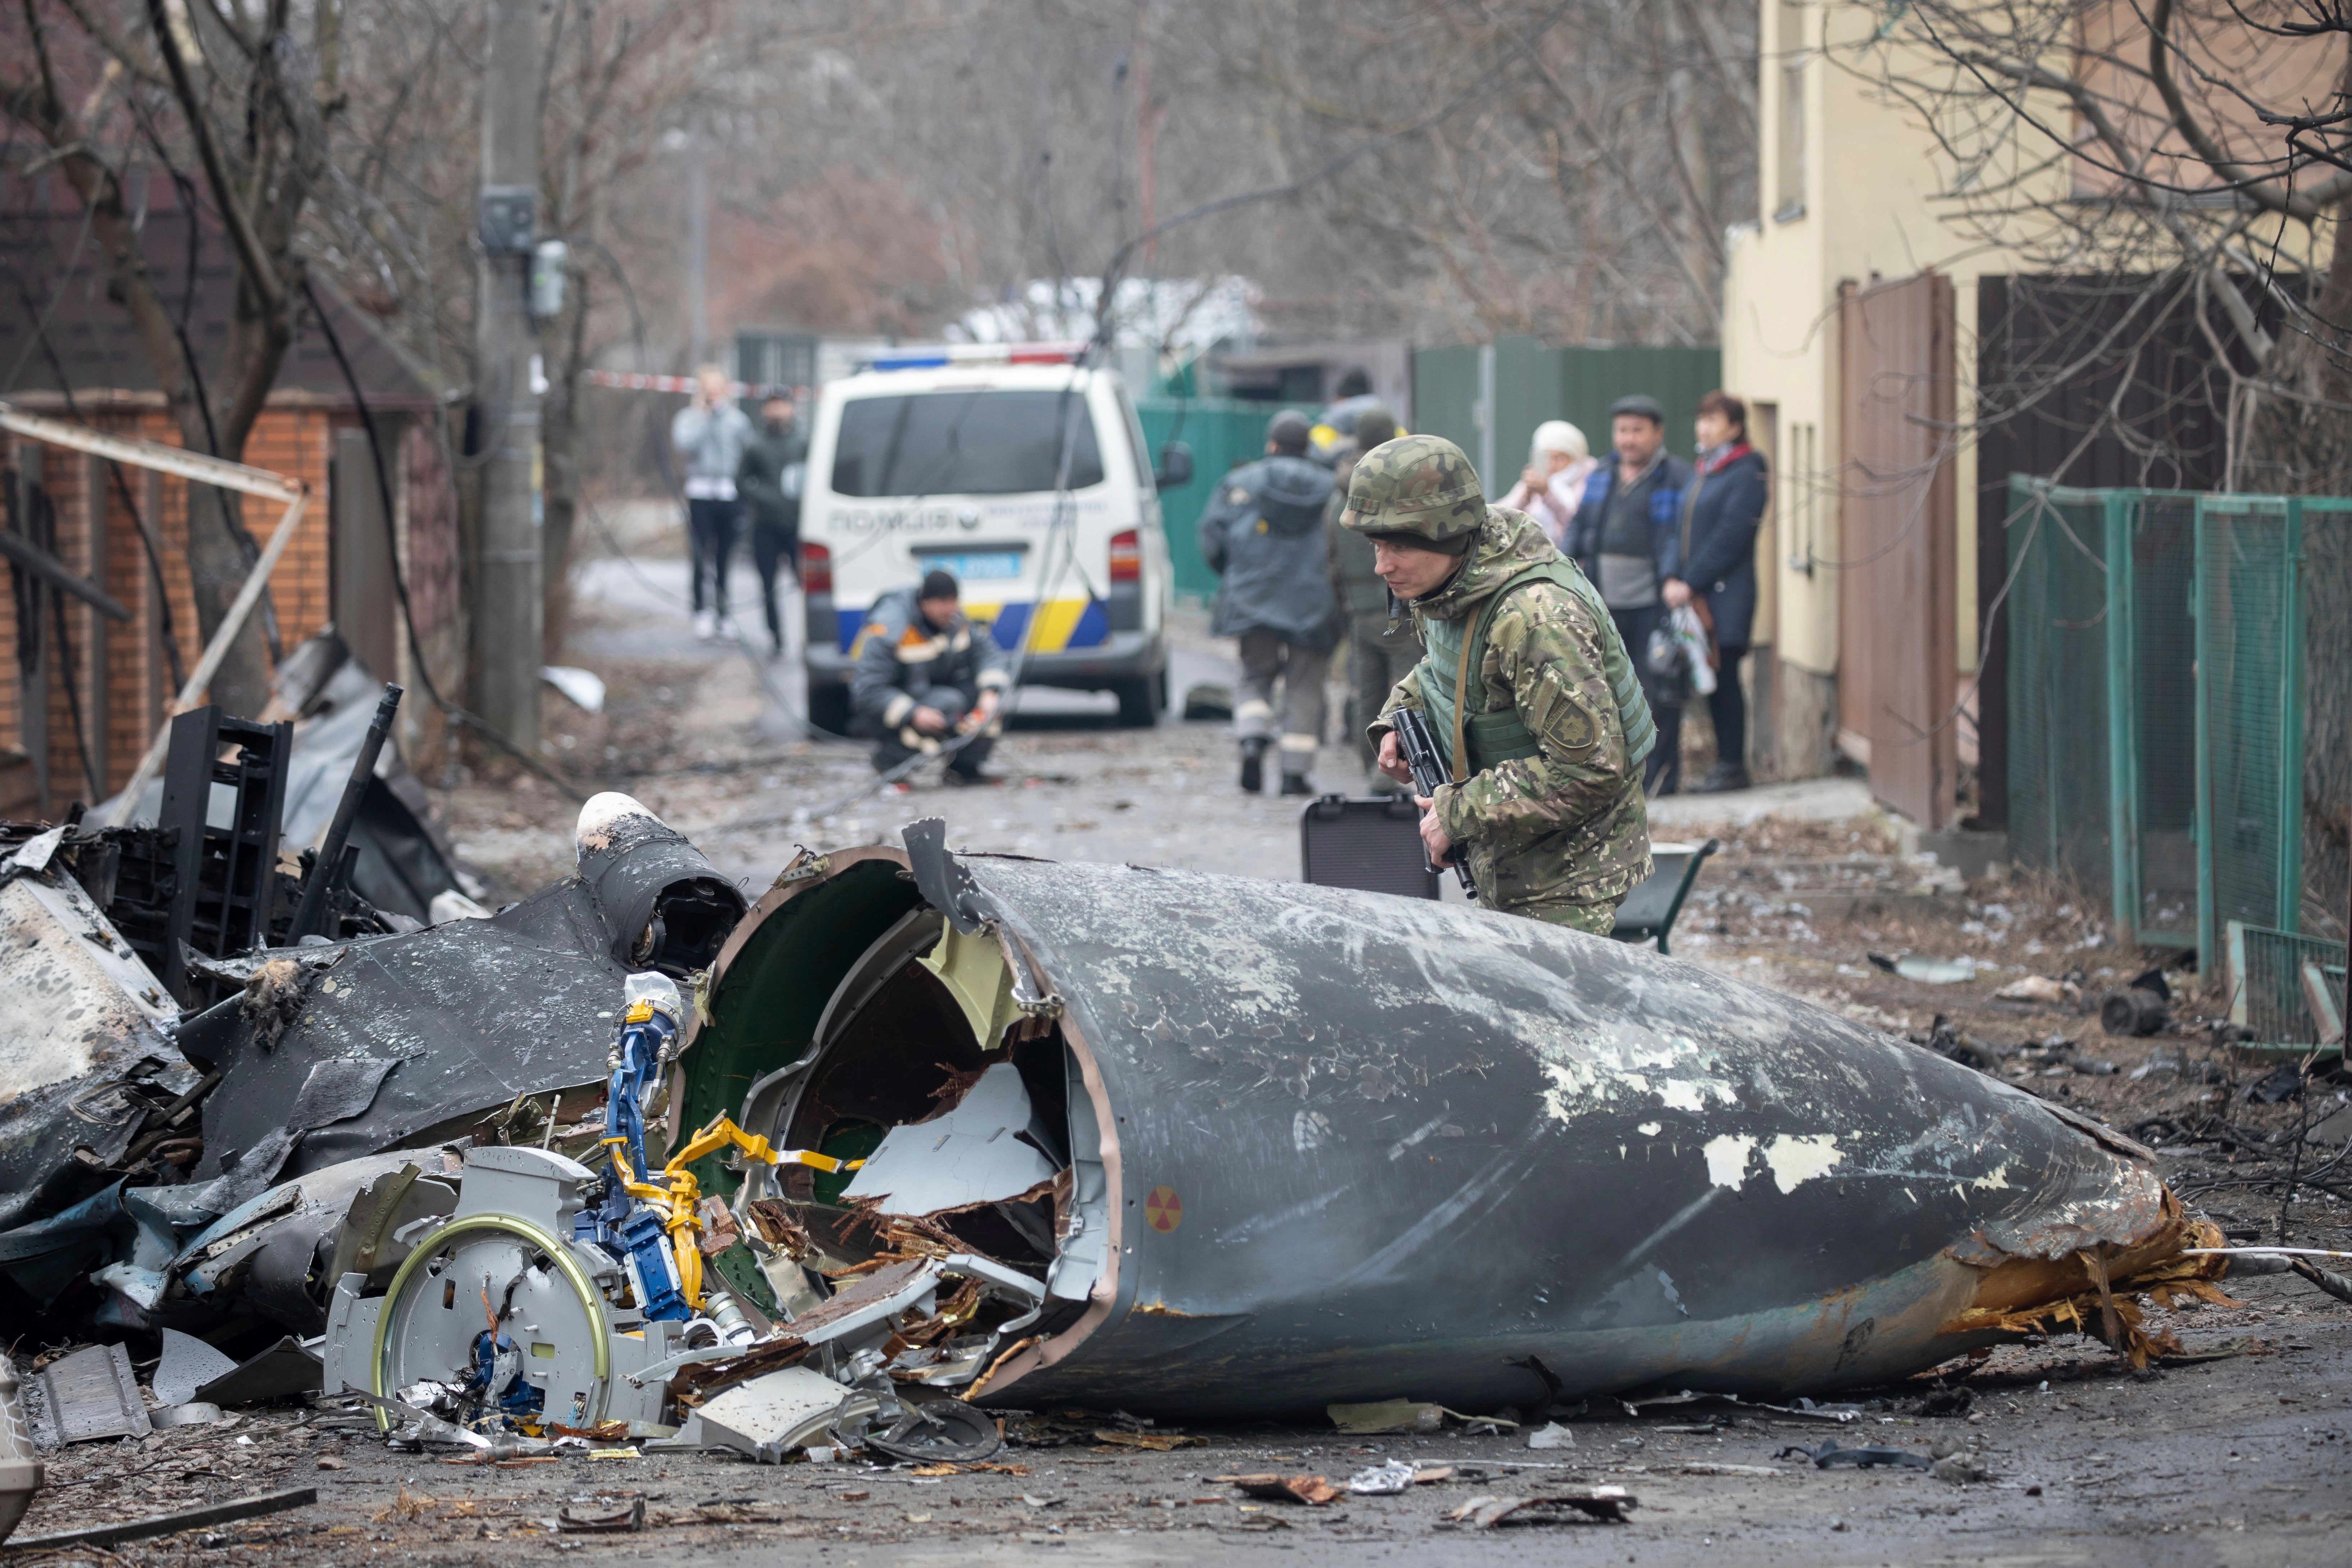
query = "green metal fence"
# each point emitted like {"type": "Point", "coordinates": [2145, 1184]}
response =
{"type": "Point", "coordinates": [1532, 384]}
{"type": "Point", "coordinates": [2058, 721]}
{"type": "Point", "coordinates": [2153, 536]}
{"type": "Point", "coordinates": [2271, 975]}
{"type": "Point", "coordinates": [1223, 434]}
{"type": "Point", "coordinates": [2155, 701]}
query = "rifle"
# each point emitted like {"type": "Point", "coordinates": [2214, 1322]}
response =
{"type": "Point", "coordinates": [1418, 749]}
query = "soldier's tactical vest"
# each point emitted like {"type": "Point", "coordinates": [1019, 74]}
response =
{"type": "Point", "coordinates": [1450, 684]}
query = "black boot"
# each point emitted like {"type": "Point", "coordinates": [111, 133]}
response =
{"type": "Point", "coordinates": [1254, 766]}
{"type": "Point", "coordinates": [1296, 783]}
{"type": "Point", "coordinates": [1722, 777]}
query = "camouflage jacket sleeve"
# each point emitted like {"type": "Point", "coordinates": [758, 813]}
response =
{"type": "Point", "coordinates": [1543, 660]}
{"type": "Point", "coordinates": [1404, 694]}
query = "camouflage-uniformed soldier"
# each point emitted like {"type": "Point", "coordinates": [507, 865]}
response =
{"type": "Point", "coordinates": [1526, 687]}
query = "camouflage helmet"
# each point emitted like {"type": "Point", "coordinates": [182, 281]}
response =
{"type": "Point", "coordinates": [1422, 486]}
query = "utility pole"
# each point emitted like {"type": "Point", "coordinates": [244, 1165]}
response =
{"type": "Point", "coordinates": [697, 240]}
{"type": "Point", "coordinates": [1146, 131]}
{"type": "Point", "coordinates": [507, 618]}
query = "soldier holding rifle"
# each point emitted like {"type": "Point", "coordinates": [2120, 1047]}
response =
{"type": "Point", "coordinates": [1529, 697]}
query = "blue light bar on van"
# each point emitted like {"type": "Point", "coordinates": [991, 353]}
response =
{"type": "Point", "coordinates": [939, 356]}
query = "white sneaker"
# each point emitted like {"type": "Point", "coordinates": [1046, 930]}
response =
{"type": "Point", "coordinates": [727, 632]}
{"type": "Point", "coordinates": [706, 625]}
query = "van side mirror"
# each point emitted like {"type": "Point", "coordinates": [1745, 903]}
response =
{"type": "Point", "coordinates": [1175, 470]}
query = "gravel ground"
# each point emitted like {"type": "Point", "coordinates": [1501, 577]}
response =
{"type": "Point", "coordinates": [2235, 1459]}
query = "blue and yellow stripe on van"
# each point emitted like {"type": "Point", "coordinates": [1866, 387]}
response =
{"type": "Point", "coordinates": [1063, 625]}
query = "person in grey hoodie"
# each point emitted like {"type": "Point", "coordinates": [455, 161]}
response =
{"type": "Point", "coordinates": [710, 434]}
{"type": "Point", "coordinates": [1263, 534]}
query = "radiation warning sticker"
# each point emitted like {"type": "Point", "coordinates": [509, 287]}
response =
{"type": "Point", "coordinates": [1163, 1211]}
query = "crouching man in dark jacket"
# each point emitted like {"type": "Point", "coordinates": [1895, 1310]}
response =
{"type": "Point", "coordinates": [926, 678]}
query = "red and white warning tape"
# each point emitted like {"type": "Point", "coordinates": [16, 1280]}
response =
{"type": "Point", "coordinates": [630, 381]}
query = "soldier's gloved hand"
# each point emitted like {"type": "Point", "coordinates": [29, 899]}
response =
{"type": "Point", "coordinates": [1391, 761]}
{"type": "Point", "coordinates": [1433, 837]}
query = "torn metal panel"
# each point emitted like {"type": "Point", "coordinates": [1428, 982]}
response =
{"type": "Point", "coordinates": [87, 1396]}
{"type": "Point", "coordinates": [276, 1255]}
{"type": "Point", "coordinates": [406, 858]}
{"type": "Point", "coordinates": [981, 1151]}
{"type": "Point", "coordinates": [771, 1416]}
{"type": "Point", "coordinates": [336, 1091]}
{"type": "Point", "coordinates": [45, 1258]}
{"type": "Point", "coordinates": [187, 1365]}
{"type": "Point", "coordinates": [406, 855]}
{"type": "Point", "coordinates": [84, 1040]}
{"type": "Point", "coordinates": [284, 1369]}
{"type": "Point", "coordinates": [1350, 1146]}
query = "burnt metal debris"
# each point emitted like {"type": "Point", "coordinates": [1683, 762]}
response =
{"type": "Point", "coordinates": [922, 1131]}
{"type": "Point", "coordinates": [410, 1040]}
{"type": "Point", "coordinates": [1291, 1130]}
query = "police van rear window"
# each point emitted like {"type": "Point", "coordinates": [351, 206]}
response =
{"type": "Point", "coordinates": [965, 443]}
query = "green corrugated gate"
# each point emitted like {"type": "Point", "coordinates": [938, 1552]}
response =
{"type": "Point", "coordinates": [1533, 384]}
{"type": "Point", "coordinates": [1223, 434]}
{"type": "Point", "coordinates": [2156, 656]}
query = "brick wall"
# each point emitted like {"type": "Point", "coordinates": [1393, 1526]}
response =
{"type": "Point", "coordinates": [121, 704]}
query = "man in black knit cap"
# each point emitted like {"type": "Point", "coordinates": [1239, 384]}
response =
{"type": "Point", "coordinates": [927, 680]}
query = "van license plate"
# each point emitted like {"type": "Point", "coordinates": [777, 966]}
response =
{"type": "Point", "coordinates": [979, 566]}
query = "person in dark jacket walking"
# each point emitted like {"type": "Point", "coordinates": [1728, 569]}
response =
{"type": "Point", "coordinates": [1263, 534]}
{"type": "Point", "coordinates": [922, 674]}
{"type": "Point", "coordinates": [1626, 535]}
{"type": "Point", "coordinates": [1721, 516]}
{"type": "Point", "coordinates": [770, 479]}
{"type": "Point", "coordinates": [1381, 642]}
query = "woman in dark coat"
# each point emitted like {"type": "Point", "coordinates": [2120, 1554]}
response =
{"type": "Point", "coordinates": [1720, 515]}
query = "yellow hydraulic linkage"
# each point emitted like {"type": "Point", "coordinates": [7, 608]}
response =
{"type": "Point", "coordinates": [681, 1194]}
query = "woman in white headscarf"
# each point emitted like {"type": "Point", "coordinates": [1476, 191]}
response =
{"type": "Point", "coordinates": [1554, 480]}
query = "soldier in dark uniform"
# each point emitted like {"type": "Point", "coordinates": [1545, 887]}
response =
{"type": "Point", "coordinates": [1263, 534]}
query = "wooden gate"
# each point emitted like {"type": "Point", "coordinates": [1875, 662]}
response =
{"type": "Point", "coordinates": [1897, 628]}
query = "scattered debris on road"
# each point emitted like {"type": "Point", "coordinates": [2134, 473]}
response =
{"type": "Point", "coordinates": [635, 1169]}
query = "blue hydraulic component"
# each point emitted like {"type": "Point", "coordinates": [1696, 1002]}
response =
{"type": "Point", "coordinates": [495, 1377]}
{"type": "Point", "coordinates": [644, 1241]}
{"type": "Point", "coordinates": [632, 1230]}
{"type": "Point", "coordinates": [651, 1011]}
{"type": "Point", "coordinates": [599, 1220]}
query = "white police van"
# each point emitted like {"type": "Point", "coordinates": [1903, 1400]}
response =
{"type": "Point", "coordinates": [1022, 471]}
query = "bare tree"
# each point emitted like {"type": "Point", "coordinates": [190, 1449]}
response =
{"type": "Point", "coordinates": [2197, 150]}
{"type": "Point", "coordinates": [2164, 158]}
{"type": "Point", "coordinates": [236, 103]}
